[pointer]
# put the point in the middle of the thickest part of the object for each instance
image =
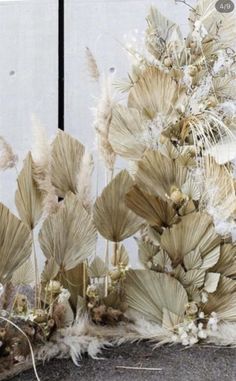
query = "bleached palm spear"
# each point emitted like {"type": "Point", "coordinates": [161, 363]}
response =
{"type": "Point", "coordinates": [112, 218]}
{"type": "Point", "coordinates": [68, 236]}
{"type": "Point", "coordinates": [28, 198]}
{"type": "Point", "coordinates": [15, 243]}
{"type": "Point", "coordinates": [67, 155]}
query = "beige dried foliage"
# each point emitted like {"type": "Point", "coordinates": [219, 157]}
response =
{"type": "Point", "coordinates": [97, 269]}
{"type": "Point", "coordinates": [102, 125]}
{"type": "Point", "coordinates": [28, 198]}
{"type": "Point", "coordinates": [156, 92]}
{"type": "Point", "coordinates": [158, 175]}
{"type": "Point", "coordinates": [24, 275]}
{"type": "Point", "coordinates": [126, 132]}
{"type": "Point", "coordinates": [15, 243]}
{"type": "Point", "coordinates": [120, 257]}
{"type": "Point", "coordinates": [75, 280]}
{"type": "Point", "coordinates": [41, 155]}
{"type": "Point", "coordinates": [7, 157]}
{"type": "Point", "coordinates": [152, 208]}
{"type": "Point", "coordinates": [50, 270]}
{"type": "Point", "coordinates": [193, 231]}
{"type": "Point", "coordinates": [67, 155]}
{"type": "Point", "coordinates": [226, 264]}
{"type": "Point", "coordinates": [113, 219]}
{"type": "Point", "coordinates": [92, 65]}
{"type": "Point", "coordinates": [69, 235]}
{"type": "Point", "coordinates": [223, 300]}
{"type": "Point", "coordinates": [84, 180]}
{"type": "Point", "coordinates": [149, 293]}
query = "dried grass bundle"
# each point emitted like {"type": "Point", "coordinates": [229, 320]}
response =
{"type": "Point", "coordinates": [92, 65]}
{"type": "Point", "coordinates": [7, 157]}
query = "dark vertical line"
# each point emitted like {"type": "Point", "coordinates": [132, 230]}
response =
{"type": "Point", "coordinates": [61, 65]}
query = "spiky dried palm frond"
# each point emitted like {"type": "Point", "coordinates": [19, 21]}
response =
{"type": "Point", "coordinates": [113, 219]}
{"type": "Point", "coordinates": [28, 198]}
{"type": "Point", "coordinates": [97, 269]}
{"type": "Point", "coordinates": [153, 258]}
{"type": "Point", "coordinates": [156, 92]}
{"type": "Point", "coordinates": [158, 175]}
{"type": "Point", "coordinates": [152, 208]}
{"type": "Point", "coordinates": [126, 132]}
{"type": "Point", "coordinates": [24, 275]}
{"type": "Point", "coordinates": [223, 300]}
{"type": "Point", "coordinates": [160, 33]}
{"type": "Point", "coordinates": [195, 230]}
{"type": "Point", "coordinates": [50, 270]}
{"type": "Point", "coordinates": [69, 235]}
{"type": "Point", "coordinates": [7, 157]}
{"type": "Point", "coordinates": [75, 280]}
{"type": "Point", "coordinates": [15, 243]}
{"type": "Point", "coordinates": [220, 26]}
{"type": "Point", "coordinates": [67, 154]}
{"type": "Point", "coordinates": [151, 294]}
{"type": "Point", "coordinates": [219, 194]}
{"type": "Point", "coordinates": [121, 257]}
{"type": "Point", "coordinates": [226, 264]}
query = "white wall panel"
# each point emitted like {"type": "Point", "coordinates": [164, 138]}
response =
{"type": "Point", "coordinates": [28, 76]}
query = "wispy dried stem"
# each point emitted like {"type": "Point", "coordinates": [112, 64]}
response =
{"type": "Point", "coordinates": [7, 157]}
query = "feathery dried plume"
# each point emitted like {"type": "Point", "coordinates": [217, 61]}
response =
{"type": "Point", "coordinates": [92, 65]}
{"type": "Point", "coordinates": [84, 183]}
{"type": "Point", "coordinates": [7, 157]}
{"type": "Point", "coordinates": [102, 125]}
{"type": "Point", "coordinates": [41, 154]}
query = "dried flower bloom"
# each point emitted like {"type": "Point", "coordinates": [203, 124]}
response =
{"type": "Point", "coordinates": [7, 157]}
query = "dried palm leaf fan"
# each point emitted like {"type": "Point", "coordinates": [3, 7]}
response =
{"type": "Point", "coordinates": [69, 235]}
{"type": "Point", "coordinates": [97, 269]}
{"type": "Point", "coordinates": [219, 195]}
{"type": "Point", "coordinates": [223, 31]}
{"type": "Point", "coordinates": [156, 296]}
{"type": "Point", "coordinates": [67, 154]}
{"type": "Point", "coordinates": [223, 300]}
{"type": "Point", "coordinates": [226, 264]}
{"type": "Point", "coordinates": [158, 175]}
{"type": "Point", "coordinates": [160, 33]}
{"type": "Point", "coordinates": [28, 198]}
{"type": "Point", "coordinates": [15, 244]}
{"type": "Point", "coordinates": [157, 92]}
{"type": "Point", "coordinates": [153, 209]}
{"type": "Point", "coordinates": [24, 275]}
{"type": "Point", "coordinates": [193, 231]}
{"type": "Point", "coordinates": [125, 133]}
{"type": "Point", "coordinates": [112, 218]}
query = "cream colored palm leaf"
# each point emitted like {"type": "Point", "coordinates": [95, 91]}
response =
{"type": "Point", "coordinates": [50, 270]}
{"type": "Point", "coordinates": [226, 264]}
{"type": "Point", "coordinates": [120, 257]}
{"type": "Point", "coordinates": [28, 198]}
{"type": "Point", "coordinates": [223, 300]}
{"type": "Point", "coordinates": [68, 235]}
{"type": "Point", "coordinates": [15, 243]}
{"type": "Point", "coordinates": [97, 269]}
{"type": "Point", "coordinates": [157, 175]}
{"type": "Point", "coordinates": [152, 208]}
{"type": "Point", "coordinates": [147, 251]}
{"type": "Point", "coordinates": [149, 293]}
{"type": "Point", "coordinates": [126, 132]}
{"type": "Point", "coordinates": [190, 233]}
{"type": "Point", "coordinates": [160, 33]}
{"type": "Point", "coordinates": [67, 154]}
{"type": "Point", "coordinates": [24, 275]}
{"type": "Point", "coordinates": [113, 219]}
{"type": "Point", "coordinates": [156, 92]}
{"type": "Point", "coordinates": [207, 14]}
{"type": "Point", "coordinates": [219, 194]}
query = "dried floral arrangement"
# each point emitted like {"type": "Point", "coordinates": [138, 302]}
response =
{"type": "Point", "coordinates": [177, 198]}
